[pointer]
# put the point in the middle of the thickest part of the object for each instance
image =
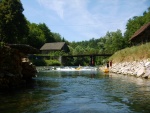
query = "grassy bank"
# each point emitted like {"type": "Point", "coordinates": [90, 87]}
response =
{"type": "Point", "coordinates": [133, 53]}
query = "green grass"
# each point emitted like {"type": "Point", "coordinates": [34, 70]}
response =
{"type": "Point", "coordinates": [134, 53]}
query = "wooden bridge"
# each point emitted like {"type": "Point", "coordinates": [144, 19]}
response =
{"type": "Point", "coordinates": [63, 58]}
{"type": "Point", "coordinates": [85, 55]}
{"type": "Point", "coordinates": [92, 57]}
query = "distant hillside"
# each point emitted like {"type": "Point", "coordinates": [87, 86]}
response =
{"type": "Point", "coordinates": [133, 53]}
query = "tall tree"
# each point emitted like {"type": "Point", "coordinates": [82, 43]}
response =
{"type": "Point", "coordinates": [48, 34]}
{"type": "Point", "coordinates": [36, 37]}
{"type": "Point", "coordinates": [13, 24]}
{"type": "Point", "coordinates": [114, 41]}
{"type": "Point", "coordinates": [57, 37]}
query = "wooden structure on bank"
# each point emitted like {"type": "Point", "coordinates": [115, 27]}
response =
{"type": "Point", "coordinates": [56, 46]}
{"type": "Point", "coordinates": [142, 35]}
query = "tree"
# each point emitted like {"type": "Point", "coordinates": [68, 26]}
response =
{"type": "Point", "coordinates": [114, 41]}
{"type": "Point", "coordinates": [36, 37]}
{"type": "Point", "coordinates": [48, 34]}
{"type": "Point", "coordinates": [78, 50]}
{"type": "Point", "coordinates": [13, 24]}
{"type": "Point", "coordinates": [57, 37]}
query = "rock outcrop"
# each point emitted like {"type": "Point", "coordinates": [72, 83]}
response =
{"type": "Point", "coordinates": [13, 69]}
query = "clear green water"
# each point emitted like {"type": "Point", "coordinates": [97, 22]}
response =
{"type": "Point", "coordinates": [79, 92]}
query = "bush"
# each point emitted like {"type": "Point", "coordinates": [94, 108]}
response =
{"type": "Point", "coordinates": [52, 63]}
{"type": "Point", "coordinates": [39, 62]}
{"type": "Point", "coordinates": [2, 44]}
{"type": "Point", "coordinates": [42, 62]}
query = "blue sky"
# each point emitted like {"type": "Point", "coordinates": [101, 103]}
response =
{"type": "Point", "coordinates": [79, 20]}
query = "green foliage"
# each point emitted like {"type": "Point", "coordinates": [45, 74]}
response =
{"type": "Point", "coordinates": [43, 62]}
{"type": "Point", "coordinates": [52, 63]}
{"type": "Point", "coordinates": [13, 25]}
{"type": "Point", "coordinates": [134, 24]}
{"type": "Point", "coordinates": [57, 37]}
{"type": "Point", "coordinates": [47, 33]}
{"type": "Point", "coordinates": [83, 61]}
{"type": "Point", "coordinates": [40, 34]}
{"type": "Point", "coordinates": [57, 53]}
{"type": "Point", "coordinates": [114, 41]}
{"type": "Point", "coordinates": [2, 44]}
{"type": "Point", "coordinates": [36, 37]}
{"type": "Point", "coordinates": [110, 43]}
{"type": "Point", "coordinates": [39, 62]}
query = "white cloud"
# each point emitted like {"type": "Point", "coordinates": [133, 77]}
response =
{"type": "Point", "coordinates": [89, 18]}
{"type": "Point", "coordinates": [57, 6]}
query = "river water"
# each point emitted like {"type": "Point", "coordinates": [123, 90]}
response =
{"type": "Point", "coordinates": [79, 92]}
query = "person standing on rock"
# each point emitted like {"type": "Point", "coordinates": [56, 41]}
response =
{"type": "Point", "coordinates": [108, 64]}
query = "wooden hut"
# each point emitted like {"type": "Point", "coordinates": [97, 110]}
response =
{"type": "Point", "coordinates": [56, 46]}
{"type": "Point", "coordinates": [142, 35]}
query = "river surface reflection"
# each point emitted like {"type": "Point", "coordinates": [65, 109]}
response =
{"type": "Point", "coordinates": [79, 92]}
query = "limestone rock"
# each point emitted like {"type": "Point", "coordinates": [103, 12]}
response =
{"type": "Point", "coordinates": [140, 72]}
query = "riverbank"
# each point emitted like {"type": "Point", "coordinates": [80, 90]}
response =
{"type": "Point", "coordinates": [135, 68]}
{"type": "Point", "coordinates": [134, 61]}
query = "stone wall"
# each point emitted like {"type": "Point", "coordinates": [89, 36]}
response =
{"type": "Point", "coordinates": [135, 68]}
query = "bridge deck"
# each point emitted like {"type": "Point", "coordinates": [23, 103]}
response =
{"type": "Point", "coordinates": [84, 55]}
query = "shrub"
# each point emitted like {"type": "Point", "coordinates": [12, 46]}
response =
{"type": "Point", "coordinates": [52, 63]}
{"type": "Point", "coordinates": [39, 62]}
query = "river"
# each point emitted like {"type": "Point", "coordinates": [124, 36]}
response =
{"type": "Point", "coordinates": [79, 92]}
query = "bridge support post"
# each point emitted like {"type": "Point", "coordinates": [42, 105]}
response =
{"type": "Point", "coordinates": [60, 59]}
{"type": "Point", "coordinates": [92, 60]}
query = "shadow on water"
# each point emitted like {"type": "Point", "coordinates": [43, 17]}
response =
{"type": "Point", "coordinates": [22, 100]}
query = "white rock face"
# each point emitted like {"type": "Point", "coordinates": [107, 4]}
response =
{"type": "Point", "coordinates": [135, 68]}
{"type": "Point", "coordinates": [140, 72]}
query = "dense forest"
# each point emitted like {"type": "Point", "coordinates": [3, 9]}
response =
{"type": "Point", "coordinates": [15, 28]}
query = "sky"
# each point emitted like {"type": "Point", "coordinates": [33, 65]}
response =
{"type": "Point", "coordinates": [80, 20]}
